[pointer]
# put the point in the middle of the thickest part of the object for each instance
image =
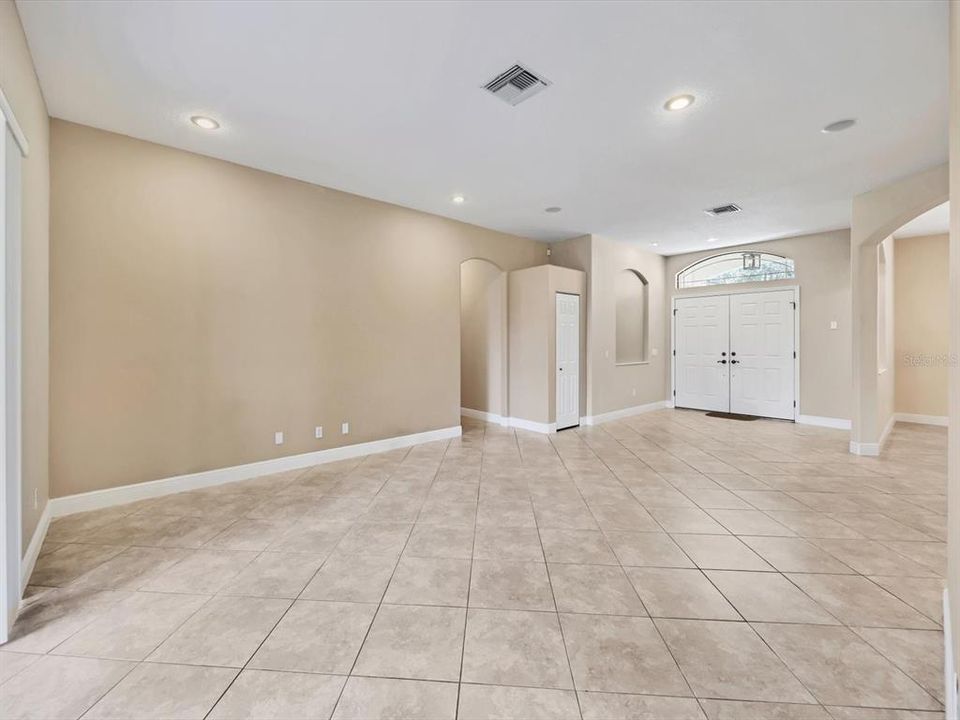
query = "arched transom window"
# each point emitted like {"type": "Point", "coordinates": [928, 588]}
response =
{"type": "Point", "coordinates": [736, 267]}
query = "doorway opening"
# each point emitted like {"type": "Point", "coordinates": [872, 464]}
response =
{"type": "Point", "coordinates": [483, 341]}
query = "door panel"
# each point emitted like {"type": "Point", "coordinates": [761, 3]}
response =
{"type": "Point", "coordinates": [568, 360]}
{"type": "Point", "coordinates": [702, 341]}
{"type": "Point", "coordinates": [761, 354]}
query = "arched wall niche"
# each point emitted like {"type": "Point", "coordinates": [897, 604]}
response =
{"type": "Point", "coordinates": [632, 309]}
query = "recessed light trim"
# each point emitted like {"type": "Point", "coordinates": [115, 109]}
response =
{"type": "Point", "coordinates": [679, 102]}
{"type": "Point", "coordinates": [553, 209]}
{"type": "Point", "coordinates": [711, 240]}
{"type": "Point", "coordinates": [654, 244]}
{"type": "Point", "coordinates": [458, 199]}
{"type": "Point", "coordinates": [205, 123]}
{"type": "Point", "coordinates": [839, 126]}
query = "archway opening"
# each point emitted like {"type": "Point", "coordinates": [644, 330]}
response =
{"type": "Point", "coordinates": [483, 340]}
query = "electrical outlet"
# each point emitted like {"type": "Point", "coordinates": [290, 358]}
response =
{"type": "Point", "coordinates": [318, 432]}
{"type": "Point", "coordinates": [833, 325]}
{"type": "Point", "coordinates": [278, 438]}
{"type": "Point", "coordinates": [345, 428]}
{"type": "Point", "coordinates": [634, 392]}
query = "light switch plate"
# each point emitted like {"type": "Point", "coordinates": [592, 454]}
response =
{"type": "Point", "coordinates": [278, 438]}
{"type": "Point", "coordinates": [318, 432]}
{"type": "Point", "coordinates": [345, 428]}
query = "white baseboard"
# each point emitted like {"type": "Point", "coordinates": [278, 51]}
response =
{"type": "Point", "coordinates": [669, 403]}
{"type": "Point", "coordinates": [827, 422]}
{"type": "Point", "coordinates": [873, 449]}
{"type": "Point", "coordinates": [532, 426]}
{"type": "Point", "coordinates": [951, 702]}
{"type": "Point", "coordinates": [155, 488]}
{"type": "Point", "coordinates": [940, 420]}
{"type": "Point", "coordinates": [33, 549]}
{"type": "Point", "coordinates": [624, 413]}
{"type": "Point", "coordinates": [864, 449]}
{"type": "Point", "coordinates": [513, 422]}
{"type": "Point", "coordinates": [485, 416]}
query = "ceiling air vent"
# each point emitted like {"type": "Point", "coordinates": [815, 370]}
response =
{"type": "Point", "coordinates": [517, 84]}
{"type": "Point", "coordinates": [723, 210]}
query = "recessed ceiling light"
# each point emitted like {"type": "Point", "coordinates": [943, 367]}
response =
{"type": "Point", "coordinates": [839, 126]}
{"type": "Point", "coordinates": [679, 102]}
{"type": "Point", "coordinates": [458, 199]}
{"type": "Point", "coordinates": [204, 122]}
{"type": "Point", "coordinates": [654, 244]}
{"type": "Point", "coordinates": [711, 239]}
{"type": "Point", "coordinates": [553, 209]}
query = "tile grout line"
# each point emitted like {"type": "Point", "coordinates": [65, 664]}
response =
{"type": "Point", "coordinates": [473, 544]}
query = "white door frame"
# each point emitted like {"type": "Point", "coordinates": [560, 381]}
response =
{"type": "Point", "coordinates": [10, 483]}
{"type": "Point", "coordinates": [739, 291]}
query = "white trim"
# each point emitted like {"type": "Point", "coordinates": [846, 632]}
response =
{"type": "Point", "coordinates": [886, 431]}
{"type": "Point", "coordinates": [485, 416]}
{"type": "Point", "coordinates": [951, 702]}
{"type": "Point", "coordinates": [97, 499]}
{"type": "Point", "coordinates": [940, 420]}
{"type": "Point", "coordinates": [743, 291]}
{"type": "Point", "coordinates": [521, 424]}
{"type": "Point", "coordinates": [874, 449]}
{"type": "Point", "coordinates": [828, 422]}
{"type": "Point", "coordinates": [518, 423]}
{"type": "Point", "coordinates": [33, 549]}
{"type": "Point", "coordinates": [624, 413]}
{"type": "Point", "coordinates": [668, 403]}
{"type": "Point", "coordinates": [865, 449]}
{"type": "Point", "coordinates": [7, 111]}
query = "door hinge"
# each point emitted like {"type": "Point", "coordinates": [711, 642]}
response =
{"type": "Point", "coordinates": [674, 393]}
{"type": "Point", "coordinates": [794, 403]}
{"type": "Point", "coordinates": [794, 354]}
{"type": "Point", "coordinates": [674, 353]}
{"type": "Point", "coordinates": [674, 311]}
{"type": "Point", "coordinates": [793, 304]}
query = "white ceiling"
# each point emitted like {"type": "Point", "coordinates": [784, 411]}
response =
{"type": "Point", "coordinates": [932, 222]}
{"type": "Point", "coordinates": [383, 99]}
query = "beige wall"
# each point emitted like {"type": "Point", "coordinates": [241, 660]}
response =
{"type": "Point", "coordinates": [20, 86]}
{"type": "Point", "coordinates": [529, 314]}
{"type": "Point", "coordinates": [922, 326]}
{"type": "Point", "coordinates": [609, 386]}
{"type": "Point", "coordinates": [575, 254]}
{"type": "Point", "coordinates": [616, 387]}
{"type": "Point", "coordinates": [200, 306]}
{"type": "Point", "coordinates": [483, 339]}
{"type": "Point", "coordinates": [822, 264]}
{"type": "Point", "coordinates": [875, 215]}
{"type": "Point", "coordinates": [533, 333]}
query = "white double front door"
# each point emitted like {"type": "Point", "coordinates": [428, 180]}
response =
{"type": "Point", "coordinates": [736, 353]}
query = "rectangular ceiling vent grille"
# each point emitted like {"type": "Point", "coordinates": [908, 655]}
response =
{"type": "Point", "coordinates": [517, 84]}
{"type": "Point", "coordinates": [723, 210]}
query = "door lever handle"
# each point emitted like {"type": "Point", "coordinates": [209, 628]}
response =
{"type": "Point", "coordinates": [734, 362]}
{"type": "Point", "coordinates": [724, 362]}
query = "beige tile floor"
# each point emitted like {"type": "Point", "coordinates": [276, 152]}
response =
{"type": "Point", "coordinates": [667, 566]}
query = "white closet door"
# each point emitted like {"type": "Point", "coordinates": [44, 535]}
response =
{"type": "Point", "coordinates": [702, 340]}
{"type": "Point", "coordinates": [568, 360]}
{"type": "Point", "coordinates": [761, 354]}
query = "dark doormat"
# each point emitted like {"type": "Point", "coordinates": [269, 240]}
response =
{"type": "Point", "coordinates": [732, 416]}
